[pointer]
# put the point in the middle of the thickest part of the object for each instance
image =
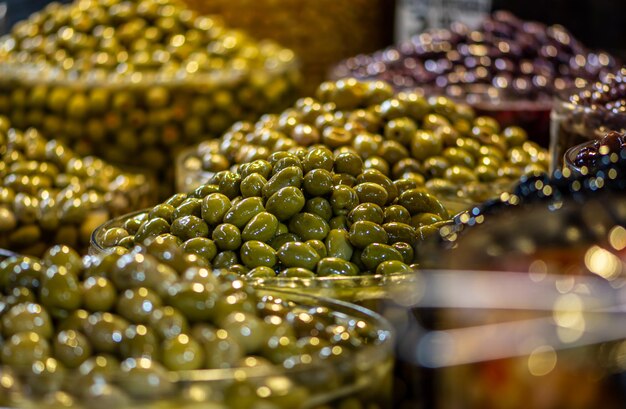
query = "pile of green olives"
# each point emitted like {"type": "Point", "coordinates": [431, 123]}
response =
{"type": "Point", "coordinates": [132, 81]}
{"type": "Point", "coordinates": [129, 328]}
{"type": "Point", "coordinates": [440, 143]}
{"type": "Point", "coordinates": [49, 195]}
{"type": "Point", "coordinates": [306, 212]}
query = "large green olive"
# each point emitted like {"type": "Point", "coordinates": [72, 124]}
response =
{"type": "Point", "coordinates": [298, 254]}
{"type": "Point", "coordinates": [286, 203]}
{"type": "Point", "coordinates": [256, 253]}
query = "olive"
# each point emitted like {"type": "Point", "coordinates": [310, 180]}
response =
{"type": "Point", "coordinates": [286, 203]}
{"type": "Point", "coordinates": [336, 266]}
{"type": "Point", "coordinates": [363, 233]}
{"type": "Point", "coordinates": [151, 229]}
{"type": "Point", "coordinates": [195, 301]}
{"type": "Point", "coordinates": [71, 348]}
{"type": "Point", "coordinates": [167, 322]}
{"type": "Point", "coordinates": [144, 378]}
{"type": "Point", "coordinates": [27, 317]}
{"type": "Point", "coordinates": [137, 304]}
{"type": "Point", "coordinates": [393, 267]}
{"type": "Point", "coordinates": [262, 227]}
{"type": "Point", "coordinates": [64, 256]}
{"type": "Point", "coordinates": [244, 210]}
{"type": "Point", "coordinates": [290, 176]}
{"type": "Point", "coordinates": [319, 206]}
{"type": "Point", "coordinates": [214, 208]}
{"type": "Point", "coordinates": [309, 226]}
{"type": "Point", "coordinates": [417, 201]}
{"type": "Point", "coordinates": [298, 254]}
{"type": "Point", "coordinates": [343, 199]}
{"type": "Point", "coordinates": [297, 272]}
{"type": "Point", "coordinates": [201, 246]}
{"type": "Point", "coordinates": [24, 348]}
{"type": "Point", "coordinates": [189, 227]}
{"type": "Point", "coordinates": [255, 254]}
{"type": "Point", "coordinates": [60, 289]}
{"type": "Point", "coordinates": [338, 244]}
{"type": "Point", "coordinates": [105, 331]}
{"type": "Point", "coordinates": [182, 352]}
{"type": "Point", "coordinates": [252, 185]}
{"type": "Point", "coordinates": [369, 192]}
{"type": "Point", "coordinates": [189, 207]}
{"type": "Point", "coordinates": [318, 182]}
{"type": "Point", "coordinates": [227, 237]}
{"type": "Point", "coordinates": [140, 341]}
{"type": "Point", "coordinates": [376, 253]}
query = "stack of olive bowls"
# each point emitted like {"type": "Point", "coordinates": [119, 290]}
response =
{"type": "Point", "coordinates": [133, 82]}
{"type": "Point", "coordinates": [335, 196]}
{"type": "Point", "coordinates": [156, 328]}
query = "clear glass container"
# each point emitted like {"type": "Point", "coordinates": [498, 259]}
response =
{"type": "Point", "coordinates": [573, 124]}
{"type": "Point", "coordinates": [359, 380]}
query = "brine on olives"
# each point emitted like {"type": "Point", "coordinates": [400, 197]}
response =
{"type": "Point", "coordinates": [314, 212]}
{"type": "Point", "coordinates": [49, 194]}
{"type": "Point", "coordinates": [125, 338]}
{"type": "Point", "coordinates": [413, 140]}
{"type": "Point", "coordinates": [133, 82]}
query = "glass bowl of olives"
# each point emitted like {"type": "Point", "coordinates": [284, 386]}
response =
{"type": "Point", "coordinates": [507, 67]}
{"type": "Point", "coordinates": [152, 327]}
{"type": "Point", "coordinates": [492, 339]}
{"type": "Point", "coordinates": [589, 114]}
{"type": "Point", "coordinates": [136, 81]}
{"type": "Point", "coordinates": [587, 157]}
{"type": "Point", "coordinates": [434, 142]}
{"type": "Point", "coordinates": [49, 194]}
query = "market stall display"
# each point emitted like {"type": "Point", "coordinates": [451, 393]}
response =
{"type": "Point", "coordinates": [154, 328]}
{"type": "Point", "coordinates": [49, 194]}
{"type": "Point", "coordinates": [433, 141]}
{"type": "Point", "coordinates": [507, 68]}
{"type": "Point", "coordinates": [135, 81]}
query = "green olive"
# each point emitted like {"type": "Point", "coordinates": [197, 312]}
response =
{"type": "Point", "coordinates": [290, 176]}
{"type": "Point", "coordinates": [343, 199]}
{"type": "Point", "coordinates": [201, 246]}
{"type": "Point", "coordinates": [335, 266]}
{"type": "Point", "coordinates": [319, 246]}
{"type": "Point", "coordinates": [189, 227]}
{"type": "Point", "coordinates": [244, 210]}
{"type": "Point", "coordinates": [182, 352]}
{"type": "Point", "coordinates": [397, 231]}
{"type": "Point", "coordinates": [281, 239]}
{"type": "Point", "coordinates": [286, 203]}
{"type": "Point", "coordinates": [425, 144]}
{"type": "Point", "coordinates": [60, 289]}
{"type": "Point", "coordinates": [367, 211]}
{"type": "Point", "coordinates": [214, 208]}
{"type": "Point", "coordinates": [71, 348]}
{"type": "Point", "coordinates": [63, 256]}
{"type": "Point", "coordinates": [168, 322]}
{"type": "Point", "coordinates": [262, 227]}
{"type": "Point", "coordinates": [105, 331]}
{"type": "Point", "coordinates": [297, 272]}
{"type": "Point", "coordinates": [318, 182]}
{"type": "Point", "coordinates": [318, 158]}
{"type": "Point", "coordinates": [27, 317]}
{"type": "Point", "coordinates": [137, 304]}
{"type": "Point", "coordinates": [151, 229]}
{"type": "Point", "coordinates": [298, 254]}
{"type": "Point", "coordinates": [309, 226]}
{"type": "Point", "coordinates": [227, 237]}
{"type": "Point", "coordinates": [376, 253]}
{"type": "Point", "coordinates": [252, 185]}
{"type": "Point", "coordinates": [261, 272]}
{"type": "Point", "coordinates": [256, 253]}
{"type": "Point", "coordinates": [140, 341]}
{"type": "Point", "coordinates": [24, 348]}
{"type": "Point", "coordinates": [196, 301]}
{"type": "Point", "coordinates": [364, 233]}
{"type": "Point", "coordinates": [319, 206]}
{"type": "Point", "coordinates": [417, 201]}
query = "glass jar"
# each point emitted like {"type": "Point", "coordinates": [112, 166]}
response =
{"type": "Point", "coordinates": [573, 123]}
{"type": "Point", "coordinates": [360, 380]}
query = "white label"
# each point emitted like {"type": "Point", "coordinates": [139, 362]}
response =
{"type": "Point", "coordinates": [415, 16]}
